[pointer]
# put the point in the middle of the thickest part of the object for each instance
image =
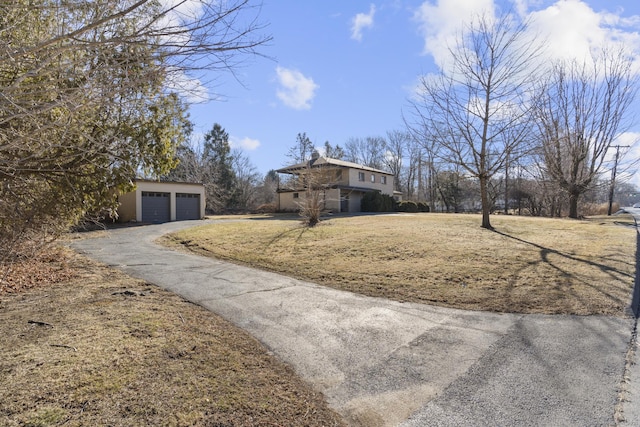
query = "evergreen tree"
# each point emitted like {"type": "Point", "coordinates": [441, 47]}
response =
{"type": "Point", "coordinates": [301, 151]}
{"type": "Point", "coordinates": [332, 152]}
{"type": "Point", "coordinates": [219, 161]}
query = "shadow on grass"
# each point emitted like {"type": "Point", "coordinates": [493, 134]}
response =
{"type": "Point", "coordinates": [300, 231]}
{"type": "Point", "coordinates": [545, 252]}
{"type": "Point", "coordinates": [613, 273]}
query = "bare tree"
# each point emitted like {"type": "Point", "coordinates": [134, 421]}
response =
{"type": "Point", "coordinates": [449, 190]}
{"type": "Point", "coordinates": [267, 190]}
{"type": "Point", "coordinates": [396, 144]}
{"type": "Point", "coordinates": [191, 165]}
{"type": "Point", "coordinates": [313, 202]}
{"type": "Point", "coordinates": [580, 110]}
{"type": "Point", "coordinates": [247, 181]}
{"type": "Point", "coordinates": [411, 168]}
{"type": "Point", "coordinates": [367, 151]}
{"type": "Point", "coordinates": [423, 136]}
{"type": "Point", "coordinates": [316, 177]}
{"type": "Point", "coordinates": [477, 109]}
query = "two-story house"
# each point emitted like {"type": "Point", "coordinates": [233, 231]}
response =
{"type": "Point", "coordinates": [341, 184]}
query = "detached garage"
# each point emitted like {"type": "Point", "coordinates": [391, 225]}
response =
{"type": "Point", "coordinates": [156, 202]}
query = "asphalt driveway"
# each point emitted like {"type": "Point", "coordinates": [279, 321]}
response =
{"type": "Point", "coordinates": [385, 363]}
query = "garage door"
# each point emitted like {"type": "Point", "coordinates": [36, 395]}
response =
{"type": "Point", "coordinates": [187, 206]}
{"type": "Point", "coordinates": [155, 207]}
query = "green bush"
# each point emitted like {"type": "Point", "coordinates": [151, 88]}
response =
{"type": "Point", "coordinates": [407, 206]}
{"type": "Point", "coordinates": [374, 201]}
{"type": "Point", "coordinates": [423, 207]}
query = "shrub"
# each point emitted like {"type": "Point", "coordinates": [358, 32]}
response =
{"type": "Point", "coordinates": [423, 207]}
{"type": "Point", "coordinates": [599, 208]}
{"type": "Point", "coordinates": [375, 201]}
{"type": "Point", "coordinates": [266, 208]}
{"type": "Point", "coordinates": [407, 206]}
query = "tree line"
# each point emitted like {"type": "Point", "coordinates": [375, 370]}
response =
{"type": "Point", "coordinates": [522, 186]}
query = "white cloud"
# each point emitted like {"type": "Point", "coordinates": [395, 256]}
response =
{"type": "Point", "coordinates": [184, 8]}
{"type": "Point", "coordinates": [630, 139]}
{"type": "Point", "coordinates": [570, 29]}
{"type": "Point", "coordinates": [362, 21]}
{"type": "Point", "coordinates": [521, 7]}
{"type": "Point", "coordinates": [176, 17]}
{"type": "Point", "coordinates": [573, 30]}
{"type": "Point", "coordinates": [296, 90]}
{"type": "Point", "coordinates": [246, 143]}
{"type": "Point", "coordinates": [188, 88]}
{"type": "Point", "coordinates": [628, 167]}
{"type": "Point", "coordinates": [441, 22]}
{"type": "Point", "coordinates": [173, 26]}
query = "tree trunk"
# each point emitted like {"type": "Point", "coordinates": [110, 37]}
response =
{"type": "Point", "coordinates": [486, 223]}
{"type": "Point", "coordinates": [573, 205]}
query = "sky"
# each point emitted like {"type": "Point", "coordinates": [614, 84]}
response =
{"type": "Point", "coordinates": [339, 69]}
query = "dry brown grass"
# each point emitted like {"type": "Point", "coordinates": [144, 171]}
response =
{"type": "Point", "coordinates": [105, 349]}
{"type": "Point", "coordinates": [530, 265]}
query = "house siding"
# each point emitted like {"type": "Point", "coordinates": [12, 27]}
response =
{"type": "Point", "coordinates": [342, 176]}
{"type": "Point", "coordinates": [332, 199]}
{"type": "Point", "coordinates": [288, 203]}
{"type": "Point", "coordinates": [127, 208]}
{"type": "Point", "coordinates": [354, 181]}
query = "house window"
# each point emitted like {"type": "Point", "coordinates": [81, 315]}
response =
{"type": "Point", "coordinates": [296, 195]}
{"type": "Point", "coordinates": [154, 194]}
{"type": "Point", "coordinates": [383, 179]}
{"type": "Point", "coordinates": [373, 178]}
{"type": "Point", "coordinates": [360, 176]}
{"type": "Point", "coordinates": [339, 175]}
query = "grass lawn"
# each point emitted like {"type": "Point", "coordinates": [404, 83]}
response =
{"type": "Point", "coordinates": [99, 348]}
{"type": "Point", "coordinates": [529, 265]}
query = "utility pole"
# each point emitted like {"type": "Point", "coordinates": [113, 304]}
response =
{"type": "Point", "coordinates": [506, 184]}
{"type": "Point", "coordinates": [613, 176]}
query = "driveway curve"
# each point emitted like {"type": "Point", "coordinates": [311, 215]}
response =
{"type": "Point", "coordinates": [386, 363]}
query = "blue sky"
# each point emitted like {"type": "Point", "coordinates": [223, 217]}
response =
{"type": "Point", "coordinates": [343, 69]}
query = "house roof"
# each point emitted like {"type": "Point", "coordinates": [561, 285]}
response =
{"type": "Point", "coordinates": [200, 184]}
{"type": "Point", "coordinates": [320, 161]}
{"type": "Point", "coordinates": [341, 187]}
